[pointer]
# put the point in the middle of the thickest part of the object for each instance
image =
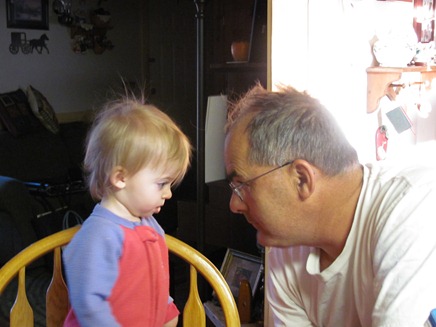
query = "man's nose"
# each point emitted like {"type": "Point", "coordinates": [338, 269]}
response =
{"type": "Point", "coordinates": [236, 204]}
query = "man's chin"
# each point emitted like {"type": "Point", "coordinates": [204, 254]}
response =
{"type": "Point", "coordinates": [266, 240]}
{"type": "Point", "coordinates": [261, 239]}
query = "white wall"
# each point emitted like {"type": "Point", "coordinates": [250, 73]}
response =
{"type": "Point", "coordinates": [74, 82]}
{"type": "Point", "coordinates": [325, 46]}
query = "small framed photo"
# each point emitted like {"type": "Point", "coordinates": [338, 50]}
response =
{"type": "Point", "coordinates": [238, 266]}
{"type": "Point", "coordinates": [28, 14]}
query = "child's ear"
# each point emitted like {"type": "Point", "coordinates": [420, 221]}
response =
{"type": "Point", "coordinates": [118, 177]}
{"type": "Point", "coordinates": [306, 178]}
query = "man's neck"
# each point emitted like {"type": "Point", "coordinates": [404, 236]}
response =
{"type": "Point", "coordinates": [340, 207]}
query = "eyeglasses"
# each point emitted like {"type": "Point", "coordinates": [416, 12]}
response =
{"type": "Point", "coordinates": [238, 189]}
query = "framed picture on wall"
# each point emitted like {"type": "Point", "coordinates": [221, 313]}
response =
{"type": "Point", "coordinates": [238, 266]}
{"type": "Point", "coordinates": [28, 14]}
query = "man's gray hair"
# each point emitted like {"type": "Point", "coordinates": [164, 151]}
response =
{"type": "Point", "coordinates": [288, 125]}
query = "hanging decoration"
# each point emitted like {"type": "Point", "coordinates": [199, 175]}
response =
{"type": "Point", "coordinates": [19, 42]}
{"type": "Point", "coordinates": [88, 26]}
{"type": "Point", "coordinates": [39, 44]}
{"type": "Point", "coordinates": [381, 142]}
{"type": "Point", "coordinates": [400, 112]}
{"type": "Point", "coordinates": [63, 10]}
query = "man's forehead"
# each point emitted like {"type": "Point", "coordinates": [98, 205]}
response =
{"type": "Point", "coordinates": [237, 149]}
{"type": "Point", "coordinates": [236, 157]}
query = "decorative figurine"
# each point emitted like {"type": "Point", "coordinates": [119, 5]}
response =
{"type": "Point", "coordinates": [39, 44]}
{"type": "Point", "coordinates": [19, 41]}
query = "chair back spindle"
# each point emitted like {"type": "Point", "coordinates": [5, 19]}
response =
{"type": "Point", "coordinates": [193, 313]}
{"type": "Point", "coordinates": [21, 311]}
{"type": "Point", "coordinates": [57, 302]}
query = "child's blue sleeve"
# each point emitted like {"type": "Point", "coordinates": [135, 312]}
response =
{"type": "Point", "coordinates": [91, 267]}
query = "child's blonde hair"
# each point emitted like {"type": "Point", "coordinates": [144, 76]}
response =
{"type": "Point", "coordinates": [133, 135]}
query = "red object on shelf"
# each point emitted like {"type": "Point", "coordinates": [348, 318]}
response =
{"type": "Point", "coordinates": [381, 142]}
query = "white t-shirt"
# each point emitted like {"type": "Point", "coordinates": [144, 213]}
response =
{"type": "Point", "coordinates": [386, 273]}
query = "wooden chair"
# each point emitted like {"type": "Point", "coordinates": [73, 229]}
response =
{"type": "Point", "coordinates": [57, 303]}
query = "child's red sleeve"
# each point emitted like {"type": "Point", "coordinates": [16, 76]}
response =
{"type": "Point", "coordinates": [172, 312]}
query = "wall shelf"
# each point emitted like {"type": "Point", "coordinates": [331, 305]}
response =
{"type": "Point", "coordinates": [239, 77]}
{"type": "Point", "coordinates": [380, 80]}
{"type": "Point", "coordinates": [239, 67]}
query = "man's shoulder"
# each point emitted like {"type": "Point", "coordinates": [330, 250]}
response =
{"type": "Point", "coordinates": [413, 173]}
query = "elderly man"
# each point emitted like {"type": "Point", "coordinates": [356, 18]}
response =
{"type": "Point", "coordinates": [348, 244]}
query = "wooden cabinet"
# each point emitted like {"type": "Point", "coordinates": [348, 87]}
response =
{"type": "Point", "coordinates": [238, 78]}
{"type": "Point", "coordinates": [235, 20]}
{"type": "Point", "coordinates": [224, 22]}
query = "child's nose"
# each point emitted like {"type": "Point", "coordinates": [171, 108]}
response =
{"type": "Point", "coordinates": [167, 193]}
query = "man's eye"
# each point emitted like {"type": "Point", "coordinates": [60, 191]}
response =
{"type": "Point", "coordinates": [237, 182]}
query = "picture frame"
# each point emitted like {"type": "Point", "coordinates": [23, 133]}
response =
{"type": "Point", "coordinates": [238, 265]}
{"type": "Point", "coordinates": [27, 14]}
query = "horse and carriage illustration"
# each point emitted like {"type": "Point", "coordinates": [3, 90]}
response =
{"type": "Point", "coordinates": [19, 41]}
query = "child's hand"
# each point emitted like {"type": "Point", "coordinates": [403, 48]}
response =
{"type": "Point", "coordinates": [172, 323]}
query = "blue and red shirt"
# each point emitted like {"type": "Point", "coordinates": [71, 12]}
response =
{"type": "Point", "coordinates": [117, 273]}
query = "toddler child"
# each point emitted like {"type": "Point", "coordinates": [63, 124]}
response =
{"type": "Point", "coordinates": [117, 264]}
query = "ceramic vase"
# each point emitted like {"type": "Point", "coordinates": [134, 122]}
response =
{"type": "Point", "coordinates": [239, 50]}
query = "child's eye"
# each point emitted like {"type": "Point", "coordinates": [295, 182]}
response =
{"type": "Point", "coordinates": [161, 185]}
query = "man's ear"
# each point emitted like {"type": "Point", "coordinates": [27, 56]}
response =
{"type": "Point", "coordinates": [306, 178]}
{"type": "Point", "coordinates": [118, 177]}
